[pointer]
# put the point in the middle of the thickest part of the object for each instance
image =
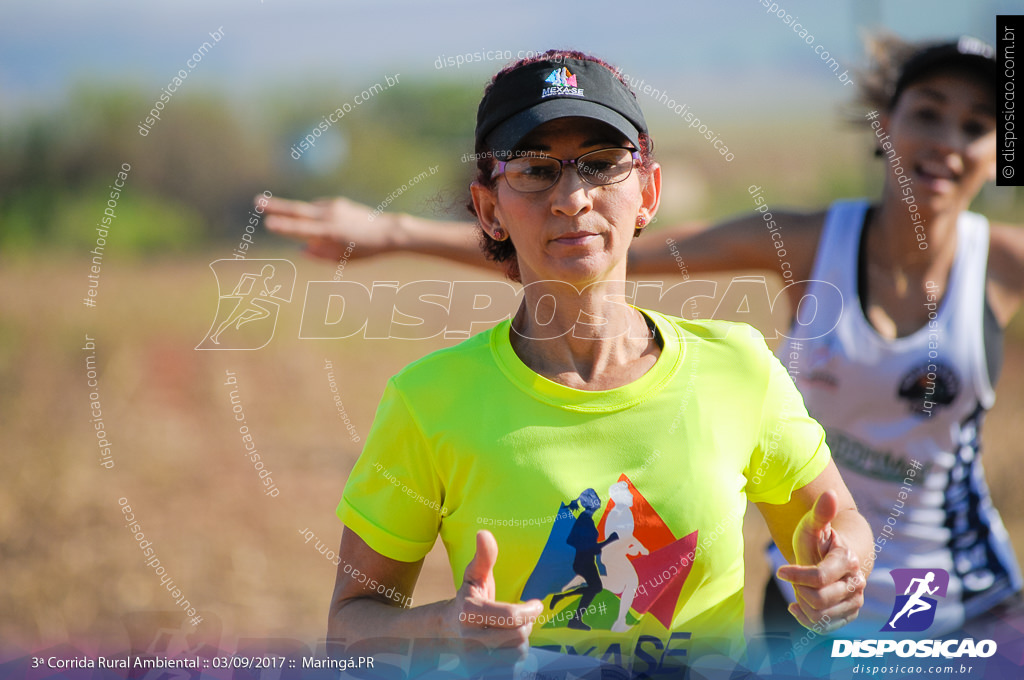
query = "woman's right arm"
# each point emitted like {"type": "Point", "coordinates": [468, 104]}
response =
{"type": "Point", "coordinates": [358, 611]}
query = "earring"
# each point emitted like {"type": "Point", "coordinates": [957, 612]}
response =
{"type": "Point", "coordinates": [499, 234]}
{"type": "Point", "coordinates": [641, 222]}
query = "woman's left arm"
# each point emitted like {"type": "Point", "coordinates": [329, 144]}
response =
{"type": "Point", "coordinates": [827, 543]}
{"type": "Point", "coordinates": [1006, 271]}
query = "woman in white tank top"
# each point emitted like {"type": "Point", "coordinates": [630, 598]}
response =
{"type": "Point", "coordinates": [899, 363]}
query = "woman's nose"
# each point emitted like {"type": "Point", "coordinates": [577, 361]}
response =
{"type": "Point", "coordinates": [570, 195]}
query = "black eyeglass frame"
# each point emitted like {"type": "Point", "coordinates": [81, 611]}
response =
{"type": "Point", "coordinates": [499, 168]}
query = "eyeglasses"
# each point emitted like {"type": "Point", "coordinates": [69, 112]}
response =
{"type": "Point", "coordinates": [530, 174]}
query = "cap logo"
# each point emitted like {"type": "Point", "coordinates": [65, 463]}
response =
{"type": "Point", "coordinates": [562, 83]}
{"type": "Point", "coordinates": [970, 45]}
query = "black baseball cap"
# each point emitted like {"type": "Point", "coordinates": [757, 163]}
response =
{"type": "Point", "coordinates": [536, 93]}
{"type": "Point", "coordinates": [967, 52]}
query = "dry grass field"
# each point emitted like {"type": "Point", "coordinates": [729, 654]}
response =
{"type": "Point", "coordinates": [72, 570]}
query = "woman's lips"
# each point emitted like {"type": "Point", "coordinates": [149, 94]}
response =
{"type": "Point", "coordinates": [575, 238]}
{"type": "Point", "coordinates": [936, 177]}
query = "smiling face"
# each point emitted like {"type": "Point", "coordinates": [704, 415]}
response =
{"type": "Point", "coordinates": [944, 127]}
{"type": "Point", "coordinates": [573, 232]}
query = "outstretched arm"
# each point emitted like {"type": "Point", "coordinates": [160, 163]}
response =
{"type": "Point", "coordinates": [787, 242]}
{"type": "Point", "coordinates": [1006, 271]}
{"type": "Point", "coordinates": [336, 228]}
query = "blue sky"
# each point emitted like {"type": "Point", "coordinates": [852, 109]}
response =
{"type": "Point", "coordinates": [721, 53]}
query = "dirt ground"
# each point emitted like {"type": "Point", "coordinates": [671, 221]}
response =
{"type": "Point", "coordinates": [73, 571]}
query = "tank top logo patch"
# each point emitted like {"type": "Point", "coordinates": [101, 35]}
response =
{"type": "Point", "coordinates": [607, 574]}
{"type": "Point", "coordinates": [929, 386]}
{"type": "Point", "coordinates": [914, 610]}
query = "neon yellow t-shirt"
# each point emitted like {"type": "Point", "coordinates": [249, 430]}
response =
{"type": "Point", "coordinates": [470, 438]}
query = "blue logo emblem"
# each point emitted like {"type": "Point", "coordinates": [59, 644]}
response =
{"type": "Point", "coordinates": [914, 610]}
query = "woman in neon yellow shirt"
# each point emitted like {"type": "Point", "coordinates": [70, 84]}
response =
{"type": "Point", "coordinates": [572, 395]}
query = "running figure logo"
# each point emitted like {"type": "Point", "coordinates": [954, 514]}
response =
{"type": "Point", "coordinates": [608, 570]}
{"type": "Point", "coordinates": [914, 610]}
{"type": "Point", "coordinates": [247, 316]}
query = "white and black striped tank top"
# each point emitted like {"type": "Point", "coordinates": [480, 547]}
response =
{"type": "Point", "coordinates": [913, 403]}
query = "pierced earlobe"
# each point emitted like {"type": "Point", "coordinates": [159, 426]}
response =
{"type": "Point", "coordinates": [499, 234]}
{"type": "Point", "coordinates": [641, 222]}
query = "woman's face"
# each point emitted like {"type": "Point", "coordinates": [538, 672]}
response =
{"type": "Point", "coordinates": [944, 127]}
{"type": "Point", "coordinates": [574, 231]}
